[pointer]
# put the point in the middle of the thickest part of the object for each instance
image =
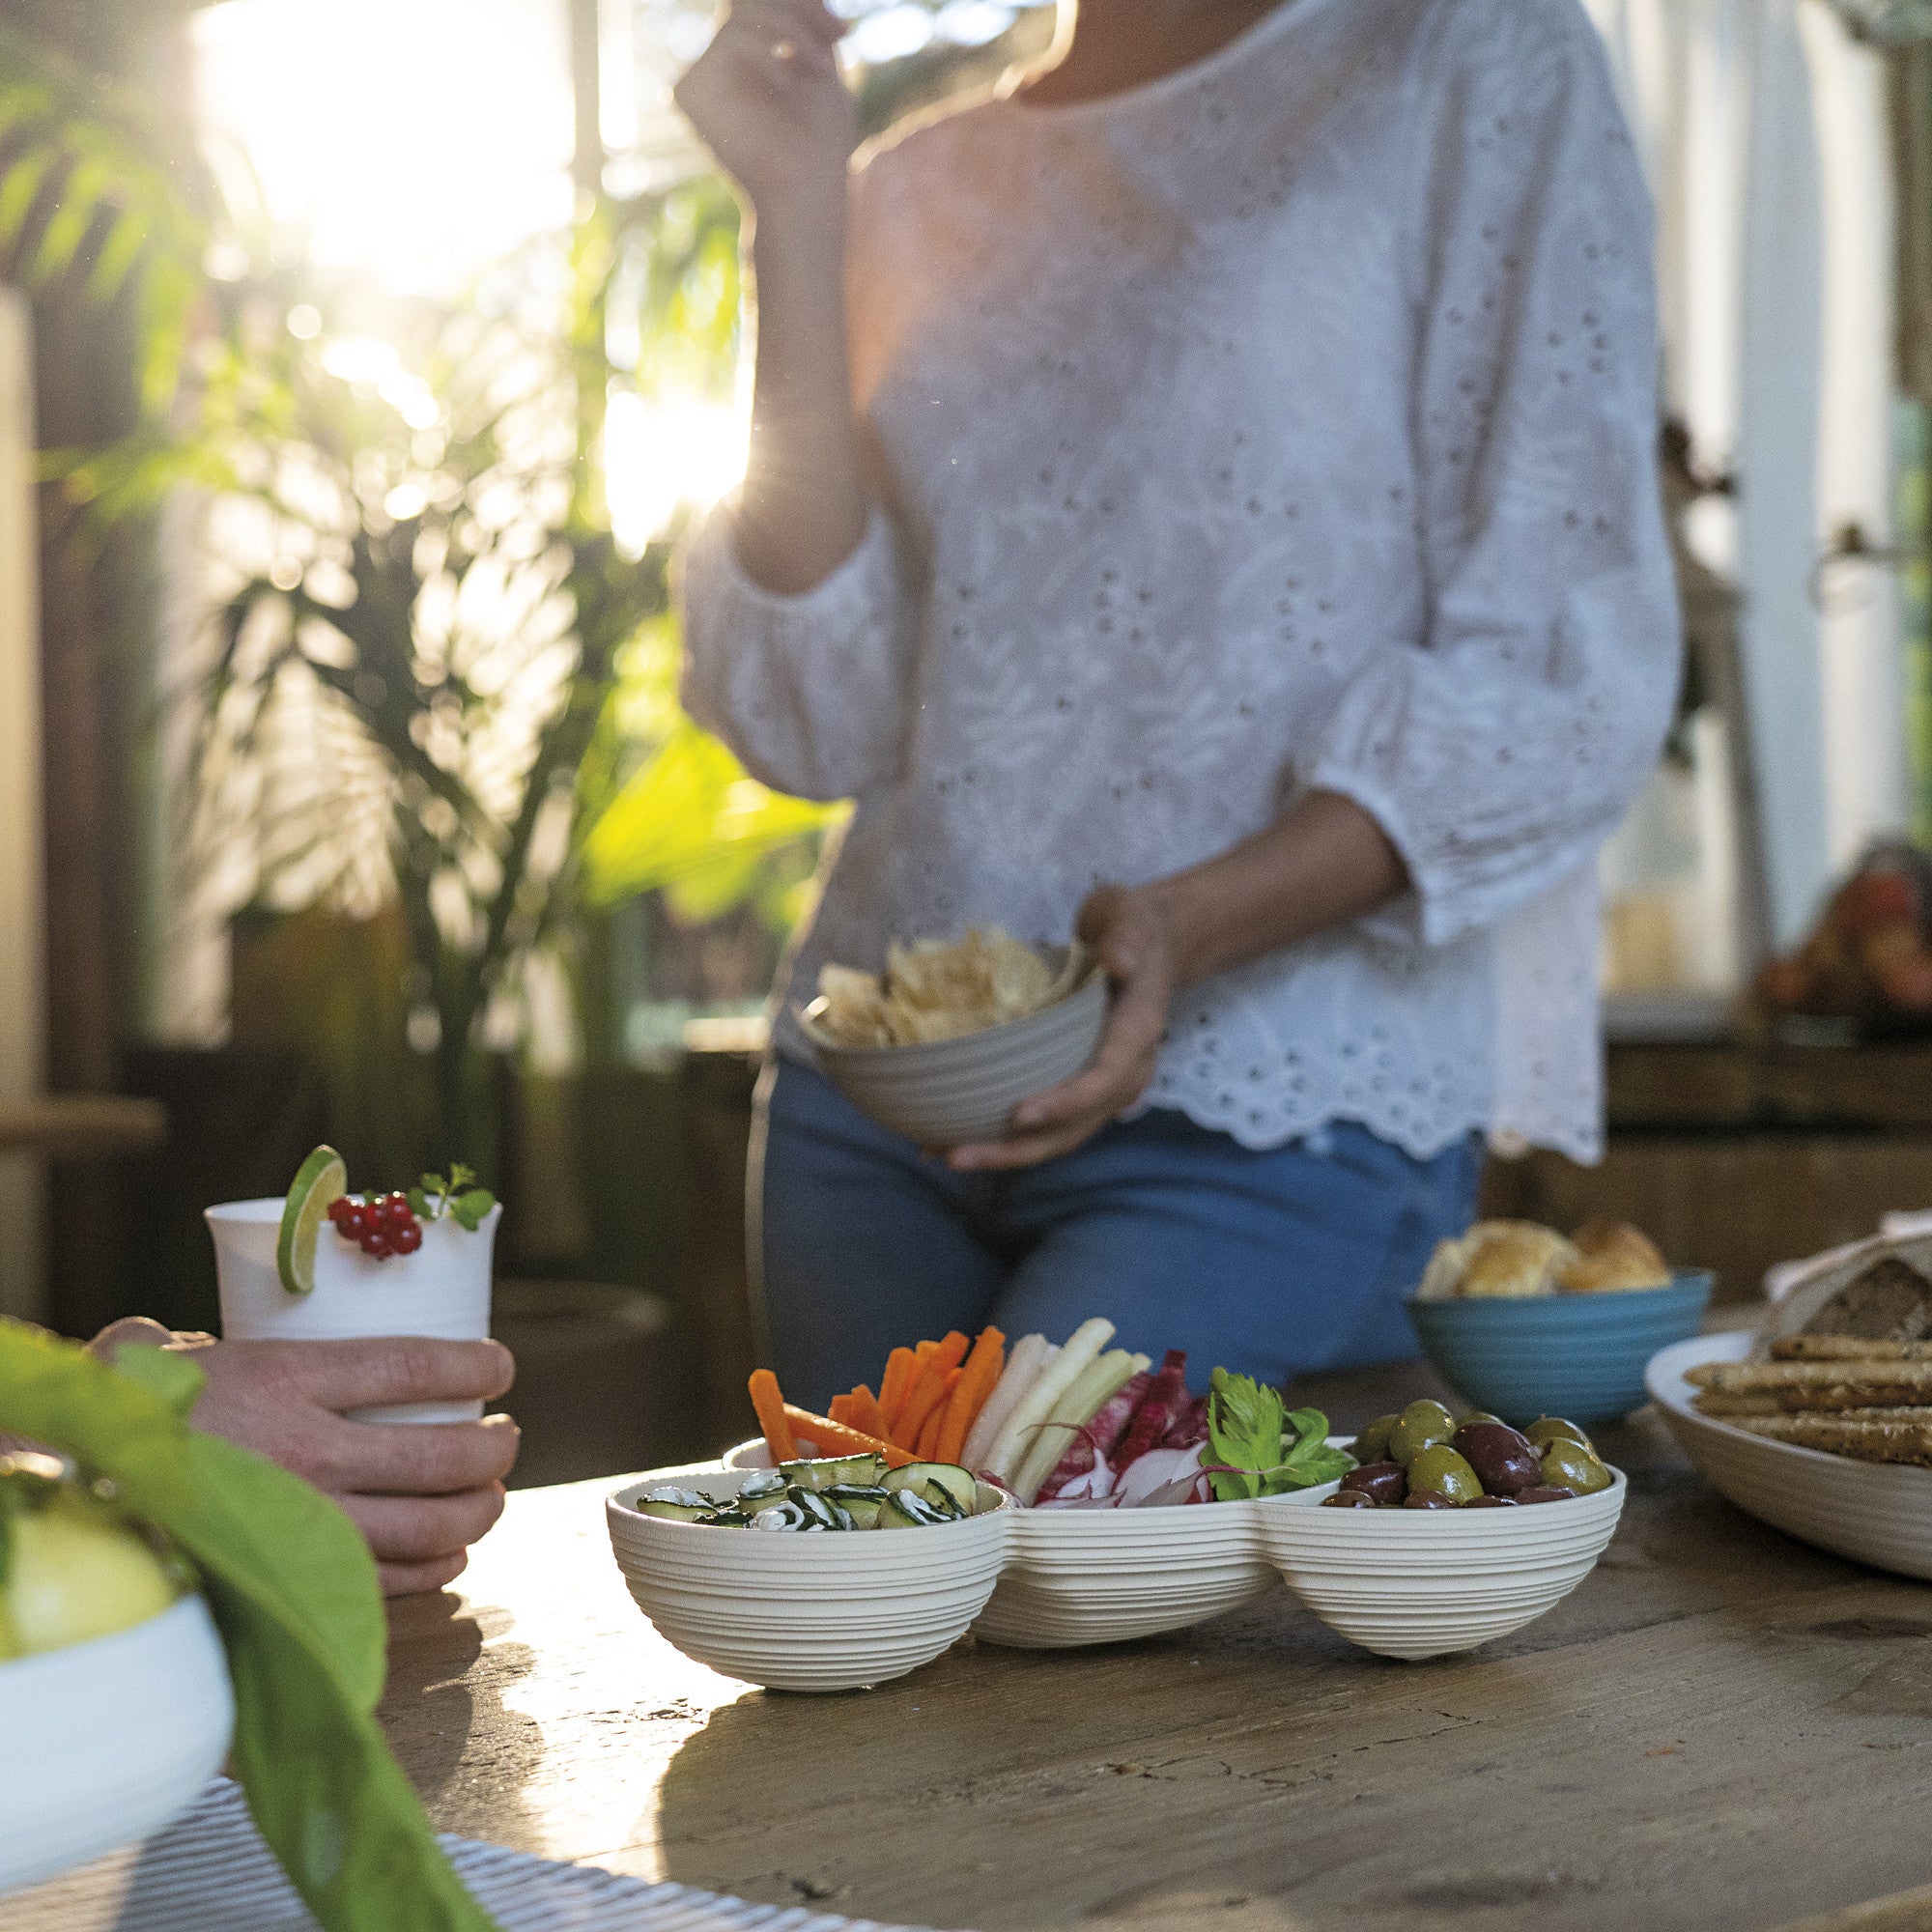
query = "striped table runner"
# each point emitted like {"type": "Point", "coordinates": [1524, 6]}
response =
{"type": "Point", "coordinates": [209, 1871]}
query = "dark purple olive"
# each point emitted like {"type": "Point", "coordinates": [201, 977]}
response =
{"type": "Point", "coordinates": [1380, 1482]}
{"type": "Point", "coordinates": [1544, 1493]}
{"type": "Point", "coordinates": [1348, 1500]}
{"type": "Point", "coordinates": [1492, 1503]}
{"type": "Point", "coordinates": [1504, 1461]}
{"type": "Point", "coordinates": [1429, 1499]}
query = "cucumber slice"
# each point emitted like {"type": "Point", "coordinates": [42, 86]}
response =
{"type": "Point", "coordinates": [829, 1470]}
{"type": "Point", "coordinates": [959, 1487]}
{"type": "Point", "coordinates": [862, 1512]}
{"type": "Point", "coordinates": [781, 1517]}
{"type": "Point", "coordinates": [675, 1512]}
{"type": "Point", "coordinates": [761, 1483]}
{"type": "Point", "coordinates": [907, 1508]}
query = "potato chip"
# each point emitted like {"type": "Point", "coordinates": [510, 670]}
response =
{"type": "Point", "coordinates": [936, 989]}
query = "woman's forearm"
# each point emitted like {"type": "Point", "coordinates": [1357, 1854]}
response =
{"type": "Point", "coordinates": [803, 506]}
{"type": "Point", "coordinates": [1324, 862]}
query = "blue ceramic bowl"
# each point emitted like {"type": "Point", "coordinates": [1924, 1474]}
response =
{"type": "Point", "coordinates": [1576, 1356]}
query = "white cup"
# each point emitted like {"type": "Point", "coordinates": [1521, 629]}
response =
{"type": "Point", "coordinates": [442, 1290]}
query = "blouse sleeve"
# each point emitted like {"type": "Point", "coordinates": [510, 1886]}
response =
{"type": "Point", "coordinates": [1500, 749]}
{"type": "Point", "coordinates": [808, 690]}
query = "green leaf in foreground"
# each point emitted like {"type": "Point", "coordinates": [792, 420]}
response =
{"type": "Point", "coordinates": [1266, 1450]}
{"type": "Point", "coordinates": [293, 1589]}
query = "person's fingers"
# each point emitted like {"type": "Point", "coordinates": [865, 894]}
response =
{"type": "Point", "coordinates": [129, 1328]}
{"type": "Point", "coordinates": [431, 1459]}
{"type": "Point", "coordinates": [404, 1579]}
{"type": "Point", "coordinates": [422, 1529]}
{"type": "Point", "coordinates": [369, 1372]}
{"type": "Point", "coordinates": [1123, 1065]}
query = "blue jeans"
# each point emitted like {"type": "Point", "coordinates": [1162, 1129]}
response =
{"type": "Point", "coordinates": [1273, 1262]}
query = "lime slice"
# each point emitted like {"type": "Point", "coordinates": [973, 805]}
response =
{"type": "Point", "coordinates": [320, 1178]}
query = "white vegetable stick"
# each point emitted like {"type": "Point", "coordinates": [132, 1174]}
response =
{"type": "Point", "coordinates": [1030, 1354]}
{"type": "Point", "coordinates": [1015, 1438]}
{"type": "Point", "coordinates": [1079, 1405]}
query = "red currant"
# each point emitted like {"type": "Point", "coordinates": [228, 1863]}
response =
{"type": "Point", "coordinates": [396, 1210]}
{"type": "Point", "coordinates": [353, 1223]}
{"type": "Point", "coordinates": [338, 1207]}
{"type": "Point", "coordinates": [409, 1237]}
{"type": "Point", "coordinates": [379, 1244]}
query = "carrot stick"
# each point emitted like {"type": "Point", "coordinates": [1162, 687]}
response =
{"type": "Point", "coordinates": [929, 1436]}
{"type": "Point", "coordinates": [975, 1383]}
{"type": "Point", "coordinates": [840, 1409]}
{"type": "Point", "coordinates": [928, 1388]}
{"type": "Point", "coordinates": [770, 1402]}
{"type": "Point", "coordinates": [835, 1440]}
{"type": "Point", "coordinates": [864, 1417]}
{"type": "Point", "coordinates": [900, 1366]}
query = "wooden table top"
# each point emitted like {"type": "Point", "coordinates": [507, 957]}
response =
{"type": "Point", "coordinates": [1721, 1728]}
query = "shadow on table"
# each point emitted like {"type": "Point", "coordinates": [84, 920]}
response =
{"type": "Point", "coordinates": [443, 1703]}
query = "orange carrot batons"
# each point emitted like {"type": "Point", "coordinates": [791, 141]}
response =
{"type": "Point", "coordinates": [768, 1400]}
{"type": "Point", "coordinates": [896, 1384]}
{"type": "Point", "coordinates": [865, 1416]}
{"type": "Point", "coordinates": [834, 1440]}
{"type": "Point", "coordinates": [969, 1395]}
{"type": "Point", "coordinates": [935, 1423]}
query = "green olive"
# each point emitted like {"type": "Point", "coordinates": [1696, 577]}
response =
{"type": "Point", "coordinates": [1419, 1427]}
{"type": "Point", "coordinates": [1548, 1429]}
{"type": "Point", "coordinates": [1569, 1465]}
{"type": "Point", "coordinates": [1372, 1444]}
{"type": "Point", "coordinates": [1446, 1473]}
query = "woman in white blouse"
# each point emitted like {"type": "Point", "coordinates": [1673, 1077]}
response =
{"type": "Point", "coordinates": [1204, 496]}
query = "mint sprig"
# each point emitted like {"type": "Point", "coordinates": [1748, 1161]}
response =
{"type": "Point", "coordinates": [457, 1196]}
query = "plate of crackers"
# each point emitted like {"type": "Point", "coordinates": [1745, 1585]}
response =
{"type": "Point", "coordinates": [1822, 1424]}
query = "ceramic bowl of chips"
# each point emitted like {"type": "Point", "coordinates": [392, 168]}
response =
{"type": "Point", "coordinates": [946, 1091]}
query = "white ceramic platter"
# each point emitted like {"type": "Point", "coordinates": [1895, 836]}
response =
{"type": "Point", "coordinates": [1877, 1513]}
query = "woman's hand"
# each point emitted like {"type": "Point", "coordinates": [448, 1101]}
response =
{"type": "Point", "coordinates": [767, 99]}
{"type": "Point", "coordinates": [1131, 933]}
{"type": "Point", "coordinates": [422, 1493]}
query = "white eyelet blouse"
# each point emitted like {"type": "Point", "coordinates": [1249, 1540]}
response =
{"type": "Point", "coordinates": [1287, 423]}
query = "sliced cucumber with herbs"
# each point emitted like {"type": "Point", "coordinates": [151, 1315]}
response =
{"type": "Point", "coordinates": [834, 1494]}
{"type": "Point", "coordinates": [907, 1508]}
{"type": "Point", "coordinates": [943, 1484]}
{"type": "Point", "coordinates": [678, 1511]}
{"type": "Point", "coordinates": [831, 1470]}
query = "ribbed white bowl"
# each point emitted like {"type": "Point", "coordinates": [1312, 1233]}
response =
{"type": "Point", "coordinates": [1077, 1577]}
{"type": "Point", "coordinates": [105, 1741]}
{"type": "Point", "coordinates": [1877, 1513]}
{"type": "Point", "coordinates": [949, 1092]}
{"type": "Point", "coordinates": [830, 1612]}
{"type": "Point", "coordinates": [1418, 1583]}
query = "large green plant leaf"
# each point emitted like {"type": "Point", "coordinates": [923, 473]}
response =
{"type": "Point", "coordinates": [293, 1589]}
{"type": "Point", "coordinates": [690, 818]}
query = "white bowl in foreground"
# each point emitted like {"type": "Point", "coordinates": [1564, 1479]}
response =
{"type": "Point", "coordinates": [829, 1612]}
{"type": "Point", "coordinates": [945, 1092]}
{"type": "Point", "coordinates": [1877, 1513]}
{"type": "Point", "coordinates": [1417, 1583]}
{"type": "Point", "coordinates": [105, 1741]}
